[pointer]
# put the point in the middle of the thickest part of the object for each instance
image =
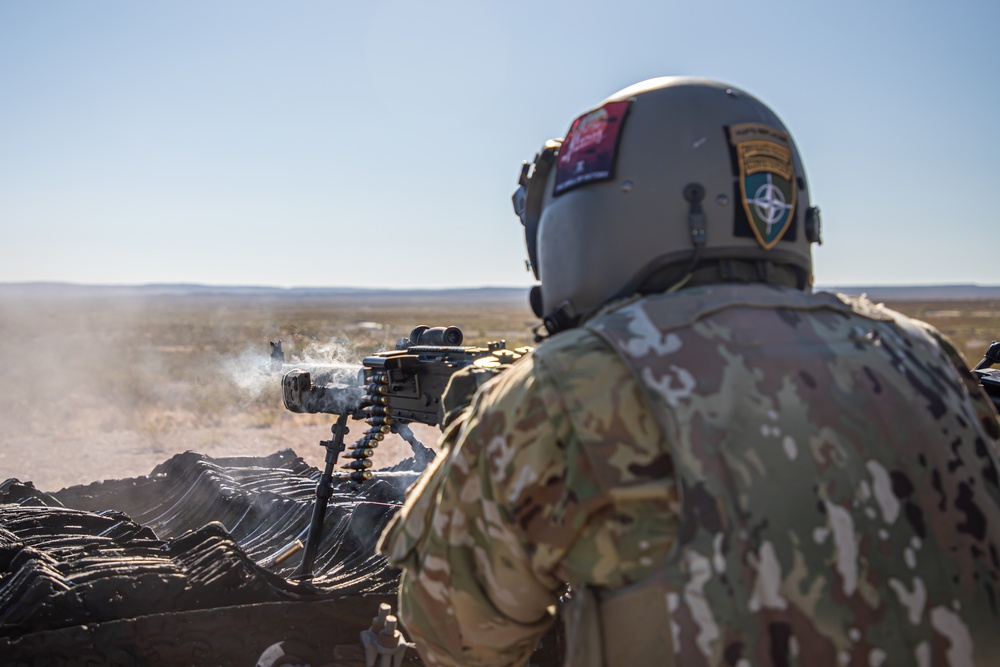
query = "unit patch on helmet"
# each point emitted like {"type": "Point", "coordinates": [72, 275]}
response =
{"type": "Point", "coordinates": [588, 153]}
{"type": "Point", "coordinates": [767, 179]}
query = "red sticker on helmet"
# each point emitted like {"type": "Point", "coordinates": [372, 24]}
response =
{"type": "Point", "coordinates": [588, 153]}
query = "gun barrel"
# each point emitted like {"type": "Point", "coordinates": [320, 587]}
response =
{"type": "Point", "coordinates": [301, 394]}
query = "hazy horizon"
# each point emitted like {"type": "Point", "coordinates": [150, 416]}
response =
{"type": "Point", "coordinates": [361, 288]}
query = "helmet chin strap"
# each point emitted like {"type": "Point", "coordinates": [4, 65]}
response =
{"type": "Point", "coordinates": [562, 318]}
{"type": "Point", "coordinates": [565, 316]}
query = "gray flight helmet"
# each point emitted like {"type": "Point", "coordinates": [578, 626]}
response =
{"type": "Point", "coordinates": [670, 171]}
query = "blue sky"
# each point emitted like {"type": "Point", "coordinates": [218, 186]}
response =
{"type": "Point", "coordinates": [377, 143]}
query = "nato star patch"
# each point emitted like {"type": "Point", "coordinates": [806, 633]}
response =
{"type": "Point", "coordinates": [767, 179]}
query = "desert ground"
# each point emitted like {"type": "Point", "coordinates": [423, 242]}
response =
{"type": "Point", "coordinates": [94, 388]}
{"type": "Point", "coordinates": [100, 387]}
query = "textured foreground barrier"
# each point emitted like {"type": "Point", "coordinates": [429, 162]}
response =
{"type": "Point", "coordinates": [178, 567]}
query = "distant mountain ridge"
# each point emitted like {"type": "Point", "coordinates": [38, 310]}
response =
{"type": "Point", "coordinates": [57, 290]}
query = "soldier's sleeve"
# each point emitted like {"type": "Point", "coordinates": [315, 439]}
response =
{"type": "Point", "coordinates": [469, 594]}
{"type": "Point", "coordinates": [543, 483]}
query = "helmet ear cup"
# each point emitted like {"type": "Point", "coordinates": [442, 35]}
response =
{"type": "Point", "coordinates": [813, 225]}
{"type": "Point", "coordinates": [535, 299]}
{"type": "Point", "coordinates": [527, 199]}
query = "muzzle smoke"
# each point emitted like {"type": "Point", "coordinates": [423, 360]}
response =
{"type": "Point", "coordinates": [252, 374]}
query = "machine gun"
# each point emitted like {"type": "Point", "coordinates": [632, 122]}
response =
{"type": "Point", "coordinates": [391, 390]}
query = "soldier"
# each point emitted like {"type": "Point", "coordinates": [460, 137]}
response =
{"type": "Point", "coordinates": [724, 467]}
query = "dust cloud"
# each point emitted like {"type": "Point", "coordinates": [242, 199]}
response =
{"type": "Point", "coordinates": [96, 388]}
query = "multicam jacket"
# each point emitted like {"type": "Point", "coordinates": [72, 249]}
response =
{"type": "Point", "coordinates": [766, 477]}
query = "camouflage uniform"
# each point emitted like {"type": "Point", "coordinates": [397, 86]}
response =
{"type": "Point", "coordinates": [728, 475]}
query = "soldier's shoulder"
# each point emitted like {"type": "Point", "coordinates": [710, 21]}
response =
{"type": "Point", "coordinates": [556, 365]}
{"type": "Point", "coordinates": [865, 307]}
{"type": "Point", "coordinates": [570, 342]}
{"type": "Point", "coordinates": [575, 353]}
{"type": "Point", "coordinates": [862, 305]}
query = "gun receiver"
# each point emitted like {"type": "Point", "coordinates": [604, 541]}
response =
{"type": "Point", "coordinates": [404, 385]}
